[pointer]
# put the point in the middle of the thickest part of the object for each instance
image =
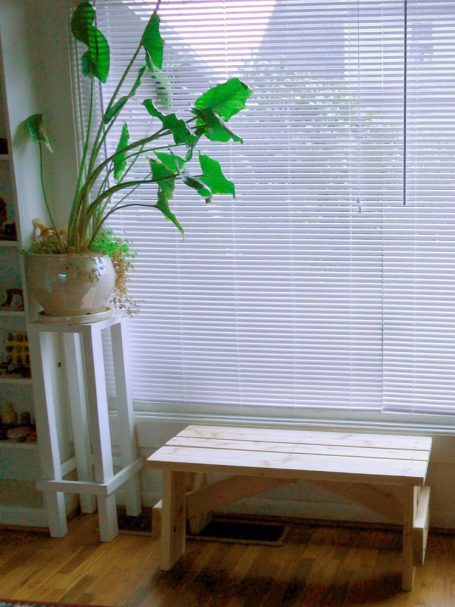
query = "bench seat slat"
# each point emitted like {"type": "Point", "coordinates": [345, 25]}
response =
{"type": "Point", "coordinates": [290, 465]}
{"type": "Point", "coordinates": [379, 441]}
{"type": "Point", "coordinates": [301, 448]}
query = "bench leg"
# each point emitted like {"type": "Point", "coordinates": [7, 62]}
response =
{"type": "Point", "coordinates": [409, 509]}
{"type": "Point", "coordinates": [173, 520]}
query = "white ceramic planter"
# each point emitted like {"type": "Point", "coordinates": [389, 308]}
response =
{"type": "Point", "coordinates": [70, 284]}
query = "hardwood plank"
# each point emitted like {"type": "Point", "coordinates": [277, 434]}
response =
{"type": "Point", "coordinates": [300, 448]}
{"type": "Point", "coordinates": [385, 441]}
{"type": "Point", "coordinates": [315, 566]}
{"type": "Point", "coordinates": [289, 465]}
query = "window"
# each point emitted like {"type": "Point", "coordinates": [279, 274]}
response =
{"type": "Point", "coordinates": [330, 281]}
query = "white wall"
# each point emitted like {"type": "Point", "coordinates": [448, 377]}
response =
{"type": "Point", "coordinates": [52, 45]}
{"type": "Point", "coordinates": [35, 41]}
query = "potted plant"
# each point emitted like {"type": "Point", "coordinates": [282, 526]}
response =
{"type": "Point", "coordinates": [72, 270]}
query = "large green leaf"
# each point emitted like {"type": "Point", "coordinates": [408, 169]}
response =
{"type": "Point", "coordinates": [95, 62]}
{"type": "Point", "coordinates": [163, 206]}
{"type": "Point", "coordinates": [213, 177]}
{"type": "Point", "coordinates": [112, 111]}
{"type": "Point", "coordinates": [154, 46]}
{"type": "Point", "coordinates": [119, 159]}
{"type": "Point", "coordinates": [213, 128]}
{"type": "Point", "coordinates": [164, 173]}
{"type": "Point", "coordinates": [196, 184]}
{"type": "Point", "coordinates": [225, 100]}
{"type": "Point", "coordinates": [161, 84]}
{"type": "Point", "coordinates": [164, 177]}
{"type": "Point", "coordinates": [171, 161]}
{"type": "Point", "coordinates": [179, 130]}
{"type": "Point", "coordinates": [153, 110]}
{"type": "Point", "coordinates": [178, 127]}
{"type": "Point", "coordinates": [82, 20]}
{"type": "Point", "coordinates": [115, 109]}
{"type": "Point", "coordinates": [137, 82]}
{"type": "Point", "coordinates": [153, 43]}
{"type": "Point", "coordinates": [34, 127]}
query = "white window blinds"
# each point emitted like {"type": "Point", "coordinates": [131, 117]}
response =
{"type": "Point", "coordinates": [317, 287]}
{"type": "Point", "coordinates": [419, 290]}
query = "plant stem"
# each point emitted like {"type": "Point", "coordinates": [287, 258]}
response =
{"type": "Point", "coordinates": [75, 209]}
{"type": "Point", "coordinates": [113, 210]}
{"type": "Point", "coordinates": [91, 179]}
{"type": "Point", "coordinates": [46, 200]}
{"type": "Point", "coordinates": [111, 191]}
{"type": "Point", "coordinates": [102, 132]}
{"type": "Point", "coordinates": [129, 193]}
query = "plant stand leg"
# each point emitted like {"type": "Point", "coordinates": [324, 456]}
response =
{"type": "Point", "coordinates": [125, 417]}
{"type": "Point", "coordinates": [78, 407]}
{"type": "Point", "coordinates": [95, 378]}
{"type": "Point", "coordinates": [40, 344]}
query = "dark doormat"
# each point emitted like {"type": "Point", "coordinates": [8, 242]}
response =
{"type": "Point", "coordinates": [239, 531]}
{"type": "Point", "coordinates": [135, 525]}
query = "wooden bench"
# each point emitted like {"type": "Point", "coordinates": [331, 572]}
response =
{"type": "Point", "coordinates": [384, 473]}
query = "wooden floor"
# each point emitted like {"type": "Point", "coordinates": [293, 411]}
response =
{"type": "Point", "coordinates": [317, 567]}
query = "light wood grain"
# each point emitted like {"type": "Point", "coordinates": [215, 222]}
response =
{"type": "Point", "coordinates": [173, 519]}
{"type": "Point", "coordinates": [421, 526]}
{"type": "Point", "coordinates": [197, 518]}
{"type": "Point", "coordinates": [409, 509]}
{"type": "Point", "coordinates": [283, 465]}
{"type": "Point", "coordinates": [373, 498]}
{"type": "Point", "coordinates": [302, 448]}
{"type": "Point", "coordinates": [228, 491]}
{"type": "Point", "coordinates": [385, 441]}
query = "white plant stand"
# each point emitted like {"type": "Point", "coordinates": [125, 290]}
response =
{"type": "Point", "coordinates": [96, 481]}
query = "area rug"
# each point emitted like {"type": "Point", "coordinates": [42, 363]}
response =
{"type": "Point", "coordinates": [14, 603]}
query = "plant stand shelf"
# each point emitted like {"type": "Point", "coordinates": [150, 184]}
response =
{"type": "Point", "coordinates": [96, 481]}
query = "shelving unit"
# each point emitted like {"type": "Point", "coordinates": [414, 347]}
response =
{"type": "Point", "coordinates": [26, 381]}
{"type": "Point", "coordinates": [12, 313]}
{"type": "Point", "coordinates": [20, 502]}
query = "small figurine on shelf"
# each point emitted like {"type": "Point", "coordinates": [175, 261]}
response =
{"type": "Point", "coordinates": [16, 360]}
{"type": "Point", "coordinates": [12, 299]}
{"type": "Point", "coordinates": [3, 212]}
{"type": "Point", "coordinates": [7, 228]}
{"type": "Point", "coordinates": [9, 231]}
{"type": "Point", "coordinates": [9, 415]}
{"type": "Point", "coordinates": [25, 419]}
{"type": "Point", "coordinates": [16, 428]}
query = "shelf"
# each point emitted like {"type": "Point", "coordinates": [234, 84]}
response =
{"type": "Point", "coordinates": [21, 504]}
{"type": "Point", "coordinates": [4, 157]}
{"type": "Point", "coordinates": [16, 313]}
{"type": "Point", "coordinates": [21, 446]}
{"type": "Point", "coordinates": [9, 243]}
{"type": "Point", "coordinates": [15, 380]}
